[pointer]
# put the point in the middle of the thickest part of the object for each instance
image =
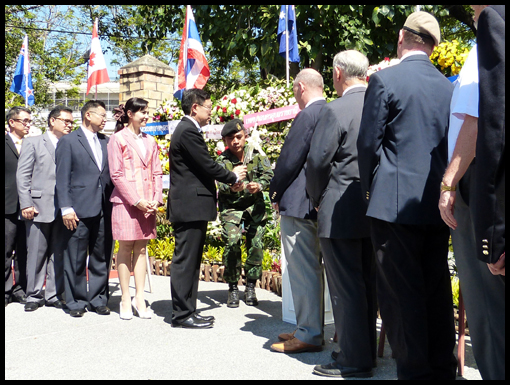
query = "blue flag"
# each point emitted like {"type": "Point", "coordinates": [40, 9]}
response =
{"type": "Point", "coordinates": [22, 83]}
{"type": "Point", "coordinates": [288, 13]}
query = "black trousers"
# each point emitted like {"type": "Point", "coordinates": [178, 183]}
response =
{"type": "Point", "coordinates": [350, 269]}
{"type": "Point", "coordinates": [15, 240]}
{"type": "Point", "coordinates": [92, 239]}
{"type": "Point", "coordinates": [415, 298]}
{"type": "Point", "coordinates": [185, 268]}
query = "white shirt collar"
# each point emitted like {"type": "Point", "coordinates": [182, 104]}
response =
{"type": "Point", "coordinates": [14, 138]}
{"type": "Point", "coordinates": [53, 138]}
{"type": "Point", "coordinates": [314, 100]}
{"type": "Point", "coordinates": [195, 123]}
{"type": "Point", "coordinates": [412, 53]}
{"type": "Point", "coordinates": [354, 86]}
{"type": "Point", "coordinates": [88, 134]}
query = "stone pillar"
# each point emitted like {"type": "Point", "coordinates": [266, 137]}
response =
{"type": "Point", "coordinates": [149, 79]}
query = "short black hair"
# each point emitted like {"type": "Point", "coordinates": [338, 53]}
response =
{"type": "Point", "coordinates": [14, 113]}
{"type": "Point", "coordinates": [90, 105]}
{"type": "Point", "coordinates": [193, 96]}
{"type": "Point", "coordinates": [57, 111]}
{"type": "Point", "coordinates": [134, 105]}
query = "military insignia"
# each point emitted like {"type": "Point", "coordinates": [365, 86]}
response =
{"type": "Point", "coordinates": [239, 128]}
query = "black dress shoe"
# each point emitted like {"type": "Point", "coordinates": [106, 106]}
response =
{"type": "Point", "coordinates": [337, 371]}
{"type": "Point", "coordinates": [31, 306]}
{"type": "Point", "coordinates": [56, 304]}
{"type": "Point", "coordinates": [20, 298]}
{"type": "Point", "coordinates": [77, 313]}
{"type": "Point", "coordinates": [204, 318]}
{"type": "Point", "coordinates": [193, 323]}
{"type": "Point", "coordinates": [101, 310]}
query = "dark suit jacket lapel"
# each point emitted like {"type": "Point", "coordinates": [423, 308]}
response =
{"type": "Point", "coordinates": [11, 145]}
{"type": "Point", "coordinates": [104, 148]}
{"type": "Point", "coordinates": [49, 146]}
{"type": "Point", "coordinates": [85, 143]}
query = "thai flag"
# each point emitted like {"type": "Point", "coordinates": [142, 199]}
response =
{"type": "Point", "coordinates": [22, 82]}
{"type": "Point", "coordinates": [193, 70]}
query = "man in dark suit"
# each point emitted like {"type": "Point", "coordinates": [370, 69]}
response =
{"type": "Point", "coordinates": [36, 189]}
{"type": "Point", "coordinates": [191, 204]}
{"type": "Point", "coordinates": [402, 149]}
{"type": "Point", "coordinates": [83, 187]}
{"type": "Point", "coordinates": [332, 181]}
{"type": "Point", "coordinates": [19, 120]}
{"type": "Point", "coordinates": [489, 181]}
{"type": "Point", "coordinates": [299, 220]}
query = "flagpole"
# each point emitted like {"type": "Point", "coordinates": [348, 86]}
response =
{"type": "Point", "coordinates": [287, 38]}
{"type": "Point", "coordinates": [26, 72]}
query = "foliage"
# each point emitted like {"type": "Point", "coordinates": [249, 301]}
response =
{"type": "Point", "coordinates": [213, 255]}
{"type": "Point", "coordinates": [455, 290]}
{"type": "Point", "coordinates": [162, 248]}
{"type": "Point", "coordinates": [449, 57]}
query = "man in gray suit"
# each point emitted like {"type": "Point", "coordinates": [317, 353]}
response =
{"type": "Point", "coordinates": [36, 189]}
{"type": "Point", "coordinates": [332, 182]}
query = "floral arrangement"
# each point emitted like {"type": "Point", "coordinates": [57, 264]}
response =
{"type": "Point", "coordinates": [233, 106]}
{"type": "Point", "coordinates": [449, 57]}
{"type": "Point", "coordinates": [169, 110]}
{"type": "Point", "coordinates": [387, 62]}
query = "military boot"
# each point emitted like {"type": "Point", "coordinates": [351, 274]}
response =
{"type": "Point", "coordinates": [250, 297]}
{"type": "Point", "coordinates": [233, 296]}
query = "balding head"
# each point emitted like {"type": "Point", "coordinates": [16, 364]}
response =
{"type": "Point", "coordinates": [308, 85]}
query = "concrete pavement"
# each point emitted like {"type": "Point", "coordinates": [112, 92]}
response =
{"type": "Point", "coordinates": [50, 345]}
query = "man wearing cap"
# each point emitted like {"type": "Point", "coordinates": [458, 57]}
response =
{"type": "Point", "coordinates": [242, 207]}
{"type": "Point", "coordinates": [402, 149]}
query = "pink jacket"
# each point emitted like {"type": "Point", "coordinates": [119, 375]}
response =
{"type": "Point", "coordinates": [135, 177]}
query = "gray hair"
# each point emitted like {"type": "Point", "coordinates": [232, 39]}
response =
{"type": "Point", "coordinates": [353, 63]}
{"type": "Point", "coordinates": [311, 78]}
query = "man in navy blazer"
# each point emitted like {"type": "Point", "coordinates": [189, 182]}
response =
{"type": "Point", "coordinates": [402, 149]}
{"type": "Point", "coordinates": [299, 220]}
{"type": "Point", "coordinates": [83, 188]}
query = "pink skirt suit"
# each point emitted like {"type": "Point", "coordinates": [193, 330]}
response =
{"type": "Point", "coordinates": [135, 177]}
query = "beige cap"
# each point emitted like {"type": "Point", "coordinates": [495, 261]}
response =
{"type": "Point", "coordinates": [424, 25]}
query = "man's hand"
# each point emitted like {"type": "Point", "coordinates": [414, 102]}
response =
{"type": "Point", "coordinates": [71, 221]}
{"type": "Point", "coordinates": [446, 208]}
{"type": "Point", "coordinates": [276, 207]}
{"type": "Point", "coordinates": [240, 171]}
{"type": "Point", "coordinates": [238, 187]}
{"type": "Point", "coordinates": [254, 187]}
{"type": "Point", "coordinates": [498, 268]}
{"type": "Point", "coordinates": [29, 213]}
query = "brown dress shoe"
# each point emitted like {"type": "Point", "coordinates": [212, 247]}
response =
{"type": "Point", "coordinates": [295, 346]}
{"type": "Point", "coordinates": [287, 336]}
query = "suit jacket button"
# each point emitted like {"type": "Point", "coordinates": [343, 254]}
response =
{"type": "Point", "coordinates": [485, 252]}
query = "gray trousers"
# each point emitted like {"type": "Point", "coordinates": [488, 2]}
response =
{"type": "Point", "coordinates": [306, 274]}
{"type": "Point", "coordinates": [45, 261]}
{"type": "Point", "coordinates": [483, 293]}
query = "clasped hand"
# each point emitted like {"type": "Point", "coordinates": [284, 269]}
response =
{"type": "Point", "coordinates": [29, 213]}
{"type": "Point", "coordinates": [148, 207]}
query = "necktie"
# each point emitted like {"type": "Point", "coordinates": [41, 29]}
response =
{"type": "Point", "coordinates": [99, 153]}
{"type": "Point", "coordinates": [18, 145]}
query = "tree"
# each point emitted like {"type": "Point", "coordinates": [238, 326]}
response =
{"type": "Point", "coordinates": [248, 32]}
{"type": "Point", "coordinates": [53, 57]}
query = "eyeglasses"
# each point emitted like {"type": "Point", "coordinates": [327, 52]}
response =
{"type": "Point", "coordinates": [25, 122]}
{"type": "Point", "coordinates": [104, 117]}
{"type": "Point", "coordinates": [66, 121]}
{"type": "Point", "coordinates": [207, 108]}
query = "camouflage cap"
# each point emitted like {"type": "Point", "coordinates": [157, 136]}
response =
{"type": "Point", "coordinates": [232, 127]}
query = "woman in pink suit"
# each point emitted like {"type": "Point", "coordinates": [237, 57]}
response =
{"type": "Point", "coordinates": [136, 172]}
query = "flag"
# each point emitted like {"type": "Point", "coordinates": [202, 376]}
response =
{"type": "Point", "coordinates": [193, 70]}
{"type": "Point", "coordinates": [22, 82]}
{"type": "Point", "coordinates": [288, 12]}
{"type": "Point", "coordinates": [97, 72]}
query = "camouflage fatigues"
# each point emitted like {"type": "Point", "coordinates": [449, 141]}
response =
{"type": "Point", "coordinates": [241, 208]}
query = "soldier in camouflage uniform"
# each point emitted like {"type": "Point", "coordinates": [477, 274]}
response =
{"type": "Point", "coordinates": [242, 207]}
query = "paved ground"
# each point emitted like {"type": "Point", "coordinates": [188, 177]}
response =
{"type": "Point", "coordinates": [50, 345]}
